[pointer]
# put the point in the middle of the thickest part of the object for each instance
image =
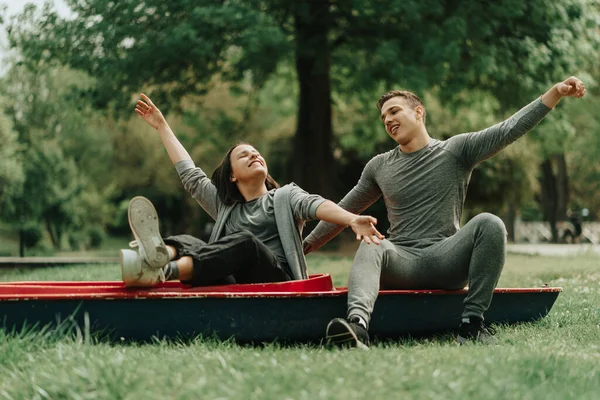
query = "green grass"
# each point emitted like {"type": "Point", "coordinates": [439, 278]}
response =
{"type": "Point", "coordinates": [555, 358]}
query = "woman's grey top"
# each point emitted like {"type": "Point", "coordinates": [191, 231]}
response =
{"type": "Point", "coordinates": [287, 207]}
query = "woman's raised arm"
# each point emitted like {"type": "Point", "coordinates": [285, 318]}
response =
{"type": "Point", "coordinates": [152, 115]}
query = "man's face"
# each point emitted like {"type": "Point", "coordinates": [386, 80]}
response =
{"type": "Point", "coordinates": [401, 121]}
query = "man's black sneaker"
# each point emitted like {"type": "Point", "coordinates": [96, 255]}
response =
{"type": "Point", "coordinates": [475, 331]}
{"type": "Point", "coordinates": [344, 333]}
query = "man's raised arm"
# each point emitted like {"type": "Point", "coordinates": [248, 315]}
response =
{"type": "Point", "coordinates": [472, 148]}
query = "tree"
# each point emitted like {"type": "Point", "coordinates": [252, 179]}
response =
{"type": "Point", "coordinates": [11, 166]}
{"type": "Point", "coordinates": [583, 151]}
{"type": "Point", "coordinates": [556, 138]}
{"type": "Point", "coordinates": [64, 153]}
{"type": "Point", "coordinates": [583, 166]}
{"type": "Point", "coordinates": [509, 48]}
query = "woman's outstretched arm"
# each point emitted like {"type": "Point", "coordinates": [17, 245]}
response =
{"type": "Point", "coordinates": [152, 115]}
{"type": "Point", "coordinates": [193, 178]}
{"type": "Point", "coordinates": [362, 225]}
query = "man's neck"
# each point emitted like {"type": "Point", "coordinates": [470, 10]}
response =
{"type": "Point", "coordinates": [420, 140]}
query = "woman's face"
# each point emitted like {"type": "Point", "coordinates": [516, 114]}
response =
{"type": "Point", "coordinates": [247, 164]}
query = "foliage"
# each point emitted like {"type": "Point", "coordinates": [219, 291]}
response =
{"type": "Point", "coordinates": [236, 70]}
{"type": "Point", "coordinates": [511, 49]}
{"type": "Point", "coordinates": [127, 45]}
{"type": "Point", "coordinates": [32, 234]}
{"type": "Point", "coordinates": [64, 186]}
{"type": "Point", "coordinates": [583, 152]}
{"type": "Point", "coordinates": [96, 236]}
{"type": "Point", "coordinates": [11, 166]}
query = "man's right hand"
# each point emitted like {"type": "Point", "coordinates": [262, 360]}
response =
{"type": "Point", "coordinates": [364, 227]}
{"type": "Point", "coordinates": [149, 112]}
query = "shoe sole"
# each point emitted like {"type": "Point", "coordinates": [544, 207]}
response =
{"type": "Point", "coordinates": [340, 333]}
{"type": "Point", "coordinates": [143, 221]}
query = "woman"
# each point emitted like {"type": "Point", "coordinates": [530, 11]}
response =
{"type": "Point", "coordinates": [258, 225]}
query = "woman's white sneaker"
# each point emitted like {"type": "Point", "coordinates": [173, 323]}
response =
{"type": "Point", "coordinates": [137, 273]}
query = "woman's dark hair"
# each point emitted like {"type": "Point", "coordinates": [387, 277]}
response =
{"type": "Point", "coordinates": [228, 191]}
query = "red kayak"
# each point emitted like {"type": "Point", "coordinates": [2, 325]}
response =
{"type": "Point", "coordinates": [288, 311]}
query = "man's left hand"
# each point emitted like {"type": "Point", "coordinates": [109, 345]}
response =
{"type": "Point", "coordinates": [571, 87]}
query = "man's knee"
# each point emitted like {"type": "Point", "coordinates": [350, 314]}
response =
{"type": "Point", "coordinates": [490, 224]}
{"type": "Point", "coordinates": [373, 252]}
{"type": "Point", "coordinates": [375, 248]}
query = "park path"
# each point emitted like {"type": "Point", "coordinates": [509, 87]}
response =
{"type": "Point", "coordinates": [557, 250]}
{"type": "Point", "coordinates": [561, 250]}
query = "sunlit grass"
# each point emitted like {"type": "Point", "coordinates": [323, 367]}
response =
{"type": "Point", "coordinates": [557, 357]}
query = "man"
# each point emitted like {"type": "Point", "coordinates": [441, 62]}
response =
{"type": "Point", "coordinates": [423, 182]}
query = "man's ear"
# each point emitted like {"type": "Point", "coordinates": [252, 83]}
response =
{"type": "Point", "coordinates": [419, 112]}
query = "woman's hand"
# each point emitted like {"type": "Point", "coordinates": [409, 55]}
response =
{"type": "Point", "coordinates": [149, 112]}
{"type": "Point", "coordinates": [364, 227]}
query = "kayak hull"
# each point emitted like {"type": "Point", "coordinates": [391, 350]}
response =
{"type": "Point", "coordinates": [291, 311]}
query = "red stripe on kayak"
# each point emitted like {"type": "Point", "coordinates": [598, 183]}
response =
{"type": "Point", "coordinates": [315, 286]}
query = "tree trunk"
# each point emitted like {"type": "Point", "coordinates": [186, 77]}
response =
{"type": "Point", "coordinates": [562, 186]}
{"type": "Point", "coordinates": [59, 233]}
{"type": "Point", "coordinates": [21, 242]}
{"type": "Point", "coordinates": [554, 191]}
{"type": "Point", "coordinates": [548, 196]}
{"type": "Point", "coordinates": [51, 233]}
{"type": "Point", "coordinates": [509, 222]}
{"type": "Point", "coordinates": [312, 161]}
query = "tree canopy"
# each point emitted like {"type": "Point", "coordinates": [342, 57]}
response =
{"type": "Point", "coordinates": [299, 78]}
{"type": "Point", "coordinates": [509, 48]}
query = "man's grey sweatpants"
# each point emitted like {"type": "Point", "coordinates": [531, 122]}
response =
{"type": "Point", "coordinates": [474, 255]}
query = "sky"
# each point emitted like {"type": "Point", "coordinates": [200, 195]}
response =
{"type": "Point", "coordinates": [16, 6]}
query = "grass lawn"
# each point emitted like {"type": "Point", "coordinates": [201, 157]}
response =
{"type": "Point", "coordinates": [555, 358]}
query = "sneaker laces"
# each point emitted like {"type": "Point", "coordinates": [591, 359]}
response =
{"type": "Point", "coordinates": [134, 244]}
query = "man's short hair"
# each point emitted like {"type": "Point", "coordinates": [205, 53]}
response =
{"type": "Point", "coordinates": [412, 99]}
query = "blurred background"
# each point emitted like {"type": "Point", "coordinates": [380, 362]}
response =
{"type": "Point", "coordinates": [299, 80]}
